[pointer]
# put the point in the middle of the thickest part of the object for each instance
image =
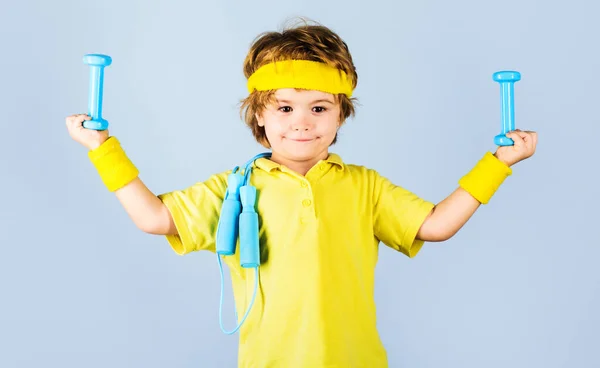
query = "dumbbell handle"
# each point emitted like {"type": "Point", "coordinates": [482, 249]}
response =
{"type": "Point", "coordinates": [97, 63]}
{"type": "Point", "coordinates": [507, 80]}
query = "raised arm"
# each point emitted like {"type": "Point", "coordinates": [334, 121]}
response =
{"type": "Point", "coordinates": [476, 188]}
{"type": "Point", "coordinates": [120, 176]}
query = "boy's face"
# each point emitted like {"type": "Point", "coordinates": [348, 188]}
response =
{"type": "Point", "coordinates": [300, 124]}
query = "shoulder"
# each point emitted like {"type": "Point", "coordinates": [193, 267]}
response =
{"type": "Point", "coordinates": [360, 172]}
{"type": "Point", "coordinates": [367, 178]}
{"type": "Point", "coordinates": [356, 178]}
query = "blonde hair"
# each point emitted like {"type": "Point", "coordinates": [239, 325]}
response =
{"type": "Point", "coordinates": [302, 42]}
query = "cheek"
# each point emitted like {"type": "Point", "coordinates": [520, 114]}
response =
{"type": "Point", "coordinates": [274, 130]}
{"type": "Point", "coordinates": [330, 128]}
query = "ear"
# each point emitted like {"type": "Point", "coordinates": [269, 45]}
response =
{"type": "Point", "coordinates": [260, 120]}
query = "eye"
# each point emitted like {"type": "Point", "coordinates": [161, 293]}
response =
{"type": "Point", "coordinates": [285, 109]}
{"type": "Point", "coordinates": [318, 109]}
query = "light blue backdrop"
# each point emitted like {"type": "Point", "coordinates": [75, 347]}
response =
{"type": "Point", "coordinates": [80, 286]}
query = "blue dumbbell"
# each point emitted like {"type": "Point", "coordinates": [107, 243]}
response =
{"type": "Point", "coordinates": [97, 63]}
{"type": "Point", "coordinates": [507, 80]}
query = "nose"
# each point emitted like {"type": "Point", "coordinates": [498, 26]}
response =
{"type": "Point", "coordinates": [301, 122]}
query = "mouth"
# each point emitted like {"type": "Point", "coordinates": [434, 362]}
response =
{"type": "Point", "coordinates": [301, 140]}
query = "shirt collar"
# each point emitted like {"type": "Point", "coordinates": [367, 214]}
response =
{"type": "Point", "coordinates": [268, 165]}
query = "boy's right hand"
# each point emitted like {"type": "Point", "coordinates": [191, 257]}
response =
{"type": "Point", "coordinates": [89, 138]}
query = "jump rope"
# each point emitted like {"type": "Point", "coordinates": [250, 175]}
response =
{"type": "Point", "coordinates": [239, 219]}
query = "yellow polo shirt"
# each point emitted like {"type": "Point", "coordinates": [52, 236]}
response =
{"type": "Point", "coordinates": [319, 238]}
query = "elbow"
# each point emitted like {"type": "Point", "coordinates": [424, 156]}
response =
{"type": "Point", "coordinates": [159, 223]}
{"type": "Point", "coordinates": [434, 236]}
{"type": "Point", "coordinates": [157, 228]}
{"type": "Point", "coordinates": [433, 231]}
{"type": "Point", "coordinates": [148, 226]}
{"type": "Point", "coordinates": [442, 236]}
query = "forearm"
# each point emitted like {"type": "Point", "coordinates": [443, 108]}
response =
{"type": "Point", "coordinates": [449, 216]}
{"type": "Point", "coordinates": [120, 176]}
{"type": "Point", "coordinates": [475, 188]}
{"type": "Point", "coordinates": [145, 209]}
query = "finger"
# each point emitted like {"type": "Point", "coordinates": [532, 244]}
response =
{"type": "Point", "coordinates": [534, 137]}
{"type": "Point", "coordinates": [530, 137]}
{"type": "Point", "coordinates": [520, 133]}
{"type": "Point", "coordinates": [77, 120]}
{"type": "Point", "coordinates": [70, 120]}
{"type": "Point", "coordinates": [527, 137]}
{"type": "Point", "coordinates": [530, 142]}
{"type": "Point", "coordinates": [82, 117]}
{"type": "Point", "coordinates": [73, 122]}
{"type": "Point", "coordinates": [517, 139]}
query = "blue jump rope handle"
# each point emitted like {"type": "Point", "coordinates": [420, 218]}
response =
{"type": "Point", "coordinates": [227, 232]}
{"type": "Point", "coordinates": [97, 63]}
{"type": "Point", "coordinates": [249, 244]}
{"type": "Point", "coordinates": [507, 80]}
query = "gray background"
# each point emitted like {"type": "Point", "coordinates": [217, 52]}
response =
{"type": "Point", "coordinates": [80, 286]}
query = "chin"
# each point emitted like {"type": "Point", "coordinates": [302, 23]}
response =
{"type": "Point", "coordinates": [303, 154]}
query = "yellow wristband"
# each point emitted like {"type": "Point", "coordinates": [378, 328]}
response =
{"type": "Point", "coordinates": [113, 165]}
{"type": "Point", "coordinates": [485, 178]}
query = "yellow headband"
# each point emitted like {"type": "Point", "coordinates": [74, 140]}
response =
{"type": "Point", "coordinates": [300, 74]}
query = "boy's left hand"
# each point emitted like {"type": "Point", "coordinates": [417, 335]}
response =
{"type": "Point", "coordinates": [524, 147]}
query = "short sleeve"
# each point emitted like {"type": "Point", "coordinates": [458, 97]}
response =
{"type": "Point", "coordinates": [195, 211]}
{"type": "Point", "coordinates": [398, 216]}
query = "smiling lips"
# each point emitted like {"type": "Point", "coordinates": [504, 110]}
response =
{"type": "Point", "coordinates": [302, 139]}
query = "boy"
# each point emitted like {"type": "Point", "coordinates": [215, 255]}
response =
{"type": "Point", "coordinates": [321, 220]}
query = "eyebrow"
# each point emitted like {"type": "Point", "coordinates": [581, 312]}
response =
{"type": "Point", "coordinates": [316, 101]}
